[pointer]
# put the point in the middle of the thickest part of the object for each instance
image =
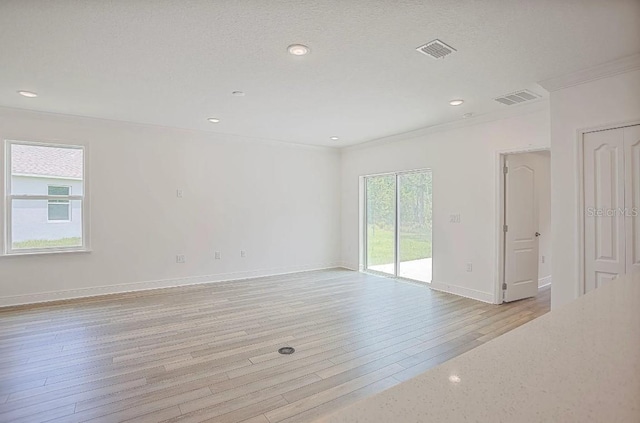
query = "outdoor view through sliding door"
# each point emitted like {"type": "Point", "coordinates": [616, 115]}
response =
{"type": "Point", "coordinates": [414, 223]}
{"type": "Point", "coordinates": [381, 222]}
{"type": "Point", "coordinates": [399, 201]}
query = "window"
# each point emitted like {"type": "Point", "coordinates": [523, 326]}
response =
{"type": "Point", "coordinates": [59, 210]}
{"type": "Point", "coordinates": [45, 207]}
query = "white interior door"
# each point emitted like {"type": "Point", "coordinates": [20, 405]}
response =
{"type": "Point", "coordinates": [521, 240]}
{"type": "Point", "coordinates": [631, 137]}
{"type": "Point", "coordinates": [604, 202]}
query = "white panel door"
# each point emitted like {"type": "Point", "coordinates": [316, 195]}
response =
{"type": "Point", "coordinates": [604, 221]}
{"type": "Point", "coordinates": [521, 240]}
{"type": "Point", "coordinates": [632, 197]}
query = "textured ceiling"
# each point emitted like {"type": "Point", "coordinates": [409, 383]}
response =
{"type": "Point", "coordinates": [175, 63]}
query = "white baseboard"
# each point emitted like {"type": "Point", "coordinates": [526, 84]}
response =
{"type": "Point", "coordinates": [485, 297]}
{"type": "Point", "coordinates": [157, 284]}
{"type": "Point", "coordinates": [546, 281]}
{"type": "Point", "coordinates": [349, 266]}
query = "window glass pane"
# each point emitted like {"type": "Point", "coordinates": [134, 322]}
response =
{"type": "Point", "coordinates": [34, 168]}
{"type": "Point", "coordinates": [381, 218]}
{"type": "Point", "coordinates": [54, 190]}
{"type": "Point", "coordinates": [31, 227]}
{"type": "Point", "coordinates": [59, 211]}
{"type": "Point", "coordinates": [415, 225]}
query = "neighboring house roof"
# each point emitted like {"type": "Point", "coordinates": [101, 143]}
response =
{"type": "Point", "coordinates": [46, 161]}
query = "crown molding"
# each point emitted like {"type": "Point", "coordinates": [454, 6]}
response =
{"type": "Point", "coordinates": [124, 124]}
{"type": "Point", "coordinates": [615, 67]}
{"type": "Point", "coordinates": [508, 112]}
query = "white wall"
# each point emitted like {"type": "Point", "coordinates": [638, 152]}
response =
{"type": "Point", "coordinates": [602, 102]}
{"type": "Point", "coordinates": [543, 188]}
{"type": "Point", "coordinates": [279, 202]}
{"type": "Point", "coordinates": [465, 171]}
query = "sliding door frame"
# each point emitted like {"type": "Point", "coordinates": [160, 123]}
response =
{"type": "Point", "coordinates": [396, 247]}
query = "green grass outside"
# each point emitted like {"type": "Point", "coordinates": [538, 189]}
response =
{"type": "Point", "coordinates": [413, 246]}
{"type": "Point", "coordinates": [47, 243]}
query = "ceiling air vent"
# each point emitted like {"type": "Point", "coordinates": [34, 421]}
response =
{"type": "Point", "coordinates": [517, 97]}
{"type": "Point", "coordinates": [436, 49]}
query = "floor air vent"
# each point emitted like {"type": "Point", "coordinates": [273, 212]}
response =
{"type": "Point", "coordinates": [436, 49]}
{"type": "Point", "coordinates": [517, 97]}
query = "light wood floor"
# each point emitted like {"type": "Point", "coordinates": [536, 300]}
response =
{"type": "Point", "coordinates": [208, 352]}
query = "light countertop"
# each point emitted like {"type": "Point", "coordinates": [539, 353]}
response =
{"type": "Point", "coordinates": [579, 363]}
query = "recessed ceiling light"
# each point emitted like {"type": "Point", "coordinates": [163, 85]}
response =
{"type": "Point", "coordinates": [213, 120]}
{"type": "Point", "coordinates": [28, 94]}
{"type": "Point", "coordinates": [334, 138]}
{"type": "Point", "coordinates": [467, 115]}
{"type": "Point", "coordinates": [238, 93]}
{"type": "Point", "coordinates": [456, 102]}
{"type": "Point", "coordinates": [298, 49]}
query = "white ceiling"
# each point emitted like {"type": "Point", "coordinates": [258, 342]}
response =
{"type": "Point", "coordinates": [175, 63]}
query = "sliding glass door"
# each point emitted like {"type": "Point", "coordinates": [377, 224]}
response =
{"type": "Point", "coordinates": [399, 224]}
{"type": "Point", "coordinates": [381, 223]}
{"type": "Point", "coordinates": [414, 224]}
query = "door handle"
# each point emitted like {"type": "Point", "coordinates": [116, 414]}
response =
{"type": "Point", "coordinates": [537, 233]}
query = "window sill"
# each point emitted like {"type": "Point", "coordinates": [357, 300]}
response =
{"type": "Point", "coordinates": [45, 253]}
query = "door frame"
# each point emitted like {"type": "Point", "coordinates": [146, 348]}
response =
{"type": "Point", "coordinates": [500, 213]}
{"type": "Point", "coordinates": [363, 265]}
{"type": "Point", "coordinates": [580, 229]}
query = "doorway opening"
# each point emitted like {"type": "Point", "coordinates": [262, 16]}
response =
{"type": "Point", "coordinates": [397, 227]}
{"type": "Point", "coordinates": [524, 259]}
